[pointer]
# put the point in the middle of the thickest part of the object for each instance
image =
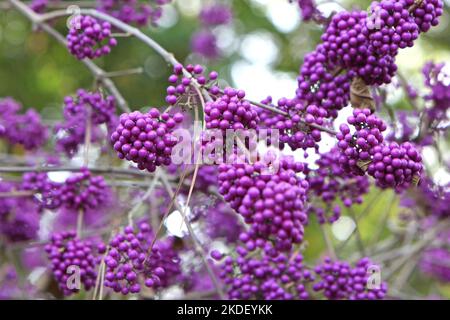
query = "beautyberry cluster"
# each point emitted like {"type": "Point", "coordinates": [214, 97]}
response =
{"type": "Point", "coordinates": [230, 111]}
{"type": "Point", "coordinates": [133, 11]}
{"type": "Point", "coordinates": [90, 38]}
{"type": "Point", "coordinates": [272, 203]}
{"type": "Point", "coordinates": [357, 147]}
{"type": "Point", "coordinates": [427, 14]}
{"type": "Point", "coordinates": [280, 277]}
{"type": "Point", "coordinates": [83, 110]}
{"type": "Point", "coordinates": [330, 182]}
{"type": "Point", "coordinates": [19, 217]}
{"type": "Point", "coordinates": [25, 129]}
{"type": "Point", "coordinates": [146, 139]}
{"type": "Point", "coordinates": [294, 130]}
{"type": "Point", "coordinates": [131, 261]}
{"type": "Point", "coordinates": [82, 191]}
{"type": "Point", "coordinates": [48, 190]}
{"type": "Point", "coordinates": [68, 255]}
{"type": "Point", "coordinates": [339, 280]}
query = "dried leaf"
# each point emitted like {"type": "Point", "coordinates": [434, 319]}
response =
{"type": "Point", "coordinates": [363, 165]}
{"type": "Point", "coordinates": [360, 96]}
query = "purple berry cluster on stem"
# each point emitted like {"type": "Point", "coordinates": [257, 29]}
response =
{"type": "Point", "coordinates": [146, 139]}
{"type": "Point", "coordinates": [339, 281]}
{"type": "Point", "coordinates": [279, 277]}
{"type": "Point", "coordinates": [134, 11]}
{"type": "Point", "coordinates": [90, 38]}
{"type": "Point", "coordinates": [271, 203]}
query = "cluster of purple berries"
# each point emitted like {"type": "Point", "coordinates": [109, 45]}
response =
{"type": "Point", "coordinates": [358, 147]}
{"type": "Point", "coordinates": [69, 255]}
{"type": "Point", "coordinates": [180, 85]}
{"type": "Point", "coordinates": [89, 38]}
{"type": "Point", "coordinates": [427, 14]}
{"type": "Point", "coordinates": [19, 217]}
{"type": "Point", "coordinates": [101, 110]}
{"type": "Point", "coordinates": [133, 11]}
{"type": "Point", "coordinates": [146, 139]}
{"type": "Point", "coordinates": [435, 261]}
{"type": "Point", "coordinates": [358, 45]}
{"type": "Point", "coordinates": [323, 86]}
{"type": "Point", "coordinates": [83, 110]}
{"type": "Point", "coordinates": [294, 130]}
{"type": "Point", "coordinates": [330, 182]}
{"type": "Point", "coordinates": [131, 260]}
{"type": "Point", "coordinates": [272, 203]}
{"type": "Point", "coordinates": [396, 166]}
{"type": "Point", "coordinates": [48, 190]}
{"type": "Point", "coordinates": [82, 191]}
{"type": "Point", "coordinates": [436, 79]}
{"type": "Point", "coordinates": [339, 280]}
{"type": "Point", "coordinates": [230, 111]}
{"type": "Point", "coordinates": [25, 129]}
{"type": "Point", "coordinates": [280, 277]}
{"type": "Point", "coordinates": [308, 10]}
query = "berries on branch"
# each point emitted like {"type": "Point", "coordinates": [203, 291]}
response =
{"type": "Point", "coordinates": [69, 255]}
{"type": "Point", "coordinates": [131, 261]}
{"type": "Point", "coordinates": [329, 182]}
{"type": "Point", "coordinates": [272, 203]}
{"type": "Point", "coordinates": [146, 139]}
{"type": "Point", "coordinates": [24, 129]}
{"type": "Point", "coordinates": [134, 11]}
{"type": "Point", "coordinates": [82, 191]}
{"type": "Point", "coordinates": [90, 38]}
{"type": "Point", "coordinates": [396, 166]}
{"type": "Point", "coordinates": [279, 277]}
{"type": "Point", "coordinates": [87, 110]}
{"type": "Point", "coordinates": [357, 147]}
{"type": "Point", "coordinates": [339, 280]}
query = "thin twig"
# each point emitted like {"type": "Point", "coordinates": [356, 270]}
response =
{"type": "Point", "coordinates": [196, 242]}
